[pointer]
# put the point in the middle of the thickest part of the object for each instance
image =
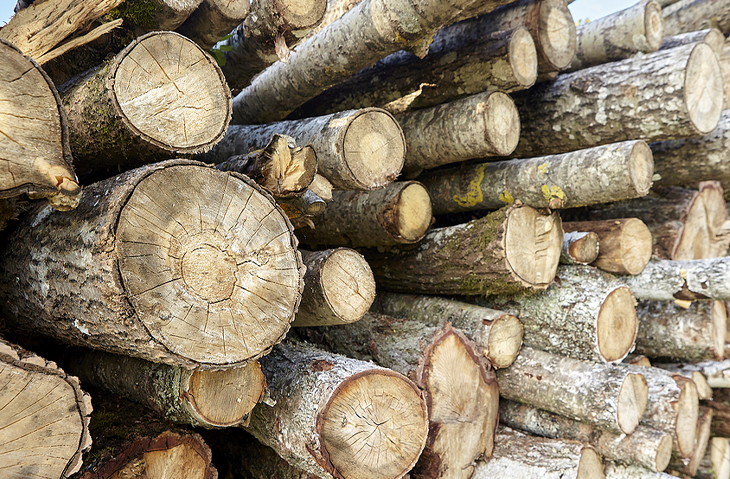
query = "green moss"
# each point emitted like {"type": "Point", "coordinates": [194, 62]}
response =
{"type": "Point", "coordinates": [140, 12]}
{"type": "Point", "coordinates": [490, 225]}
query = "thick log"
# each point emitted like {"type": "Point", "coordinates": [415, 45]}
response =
{"type": "Point", "coordinates": [602, 104]}
{"type": "Point", "coordinates": [711, 36]}
{"type": "Point", "coordinates": [498, 335]}
{"type": "Point", "coordinates": [620, 35]}
{"type": "Point", "coordinates": [160, 96]}
{"type": "Point", "coordinates": [585, 314]}
{"type": "Point", "coordinates": [200, 398]}
{"type": "Point", "coordinates": [645, 446]}
{"type": "Point", "coordinates": [44, 425]}
{"type": "Point", "coordinates": [530, 457]}
{"type": "Point", "coordinates": [213, 20]}
{"type": "Point", "coordinates": [338, 288]}
{"type": "Point", "coordinates": [356, 150]}
{"type": "Point", "coordinates": [689, 16]}
{"type": "Point", "coordinates": [692, 333]}
{"type": "Point", "coordinates": [399, 213]}
{"type": "Point", "coordinates": [35, 151]}
{"type": "Point", "coordinates": [460, 389]}
{"type": "Point", "coordinates": [689, 468]}
{"type": "Point", "coordinates": [610, 397]}
{"type": "Point", "coordinates": [365, 34]}
{"type": "Point", "coordinates": [486, 124]}
{"type": "Point", "coordinates": [615, 470]}
{"type": "Point", "coordinates": [339, 417]}
{"type": "Point", "coordinates": [204, 274]}
{"type": "Point", "coordinates": [507, 251]}
{"type": "Point", "coordinates": [624, 245]}
{"type": "Point", "coordinates": [579, 247]}
{"type": "Point", "coordinates": [595, 175]}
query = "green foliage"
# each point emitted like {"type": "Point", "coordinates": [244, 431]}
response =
{"type": "Point", "coordinates": [140, 12]}
{"type": "Point", "coordinates": [217, 51]}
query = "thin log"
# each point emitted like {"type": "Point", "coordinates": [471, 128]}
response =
{"type": "Point", "coordinates": [213, 20]}
{"type": "Point", "coordinates": [190, 285]}
{"type": "Point", "coordinates": [695, 373]}
{"type": "Point", "coordinates": [340, 417]}
{"type": "Point", "coordinates": [711, 36]}
{"type": "Point", "coordinates": [509, 250]}
{"type": "Point", "coordinates": [595, 175]}
{"type": "Point", "coordinates": [702, 440]}
{"type": "Point", "coordinates": [601, 104]}
{"type": "Point", "coordinates": [400, 213]}
{"type": "Point", "coordinates": [716, 373]}
{"type": "Point", "coordinates": [579, 247]}
{"type": "Point", "coordinates": [147, 104]}
{"type": "Point", "coordinates": [338, 288]}
{"type": "Point", "coordinates": [689, 16]}
{"type": "Point", "coordinates": [610, 397]}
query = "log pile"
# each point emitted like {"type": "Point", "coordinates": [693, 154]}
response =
{"type": "Point", "coordinates": [417, 240]}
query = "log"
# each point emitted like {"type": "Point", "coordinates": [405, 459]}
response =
{"type": "Point", "coordinates": [45, 417]}
{"type": "Point", "coordinates": [158, 15]}
{"type": "Point", "coordinates": [585, 314]}
{"type": "Point", "coordinates": [509, 250]}
{"type": "Point", "coordinates": [579, 247]}
{"type": "Point", "coordinates": [716, 374]}
{"type": "Point", "coordinates": [624, 245]}
{"type": "Point", "coordinates": [213, 20]}
{"type": "Point", "coordinates": [721, 405]}
{"type": "Point", "coordinates": [338, 288]}
{"type": "Point", "coordinates": [610, 397]}
{"type": "Point", "coordinates": [601, 104]}
{"type": "Point", "coordinates": [621, 471]}
{"type": "Point", "coordinates": [711, 36]}
{"type": "Point", "coordinates": [146, 105]}
{"type": "Point", "coordinates": [689, 16]}
{"type": "Point", "coordinates": [691, 333]}
{"type": "Point", "coordinates": [645, 446]}
{"type": "Point", "coordinates": [339, 417]}
{"type": "Point", "coordinates": [620, 35]}
{"type": "Point", "coordinates": [300, 209]}
{"type": "Point", "coordinates": [724, 57]}
{"type": "Point", "coordinates": [356, 150]}
{"type": "Point", "coordinates": [497, 335]}
{"type": "Point", "coordinates": [595, 175]}
{"type": "Point", "coordinates": [399, 213]}
{"type": "Point", "coordinates": [702, 439]}
{"type": "Point", "coordinates": [719, 460]}
{"type": "Point", "coordinates": [35, 151]}
{"type": "Point", "coordinates": [207, 399]}
{"type": "Point", "coordinates": [486, 124]}
{"type": "Point", "coordinates": [203, 275]}
{"type": "Point", "coordinates": [529, 457]}
{"type": "Point", "coordinates": [368, 32]}
{"type": "Point", "coordinates": [693, 372]}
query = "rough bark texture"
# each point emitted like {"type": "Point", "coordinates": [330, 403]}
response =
{"type": "Point", "coordinates": [498, 335]}
{"type": "Point", "coordinates": [44, 425]}
{"type": "Point", "coordinates": [663, 95]}
{"type": "Point", "coordinates": [338, 417]}
{"type": "Point", "coordinates": [721, 404]}
{"type": "Point", "coordinates": [608, 396]}
{"type": "Point", "coordinates": [585, 314]}
{"type": "Point", "coordinates": [645, 446]}
{"type": "Point", "coordinates": [711, 36]}
{"type": "Point", "coordinates": [210, 280]}
{"type": "Point", "coordinates": [161, 96]}
{"type": "Point", "coordinates": [620, 471]}
{"type": "Point", "coordinates": [595, 175]}
{"type": "Point", "coordinates": [213, 20]}
{"type": "Point", "coordinates": [724, 57]}
{"type": "Point", "coordinates": [579, 247]}
{"type": "Point", "coordinates": [338, 288]}
{"type": "Point", "coordinates": [696, 372]}
{"type": "Point", "coordinates": [507, 251]}
{"type": "Point", "coordinates": [400, 213]}
{"type": "Point", "coordinates": [618, 36]}
{"type": "Point", "coordinates": [689, 16]}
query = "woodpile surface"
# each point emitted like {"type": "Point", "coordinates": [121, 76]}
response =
{"type": "Point", "coordinates": [364, 239]}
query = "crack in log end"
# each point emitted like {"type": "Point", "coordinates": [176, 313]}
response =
{"type": "Point", "coordinates": [687, 294]}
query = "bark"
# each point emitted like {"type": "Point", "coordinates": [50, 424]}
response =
{"type": "Point", "coordinates": [610, 397]}
{"type": "Point", "coordinates": [338, 288]}
{"type": "Point", "coordinates": [663, 95]}
{"type": "Point", "coordinates": [584, 177]}
{"type": "Point", "coordinates": [624, 245]}
{"type": "Point", "coordinates": [157, 15]}
{"type": "Point", "coordinates": [399, 213]}
{"type": "Point", "coordinates": [45, 417]}
{"type": "Point", "coordinates": [497, 335]}
{"type": "Point", "coordinates": [147, 104]}
{"type": "Point", "coordinates": [200, 398]}
{"type": "Point", "coordinates": [638, 28]}
{"type": "Point", "coordinates": [724, 57]}
{"type": "Point", "coordinates": [721, 405]}
{"type": "Point", "coordinates": [339, 417]}
{"type": "Point", "coordinates": [507, 251]}
{"type": "Point", "coordinates": [579, 247]}
{"type": "Point", "coordinates": [300, 209]}
{"type": "Point", "coordinates": [690, 333]}
{"type": "Point", "coordinates": [370, 31]}
{"type": "Point", "coordinates": [190, 285]}
{"type": "Point", "coordinates": [81, 40]}
{"type": "Point", "coordinates": [585, 314]}
{"type": "Point", "coordinates": [705, 374]}
{"type": "Point", "coordinates": [356, 150]}
{"type": "Point", "coordinates": [621, 471]}
{"type": "Point", "coordinates": [711, 36]}
{"type": "Point", "coordinates": [529, 457]}
{"type": "Point", "coordinates": [702, 439]}
{"type": "Point", "coordinates": [645, 446]}
{"type": "Point", "coordinates": [689, 16]}
{"type": "Point", "coordinates": [213, 20]}
{"type": "Point", "coordinates": [460, 390]}
{"type": "Point", "coordinates": [35, 151]}
{"type": "Point", "coordinates": [486, 124]}
{"type": "Point", "coordinates": [252, 44]}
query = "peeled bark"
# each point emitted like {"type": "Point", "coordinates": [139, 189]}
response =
{"type": "Point", "coordinates": [595, 175]}
{"type": "Point", "coordinates": [213, 20]}
{"type": "Point", "coordinates": [663, 95]}
{"type": "Point", "coordinates": [579, 247]}
{"type": "Point", "coordinates": [711, 36]}
{"type": "Point", "coordinates": [175, 262]}
{"type": "Point", "coordinates": [689, 16]}
{"type": "Point", "coordinates": [509, 250]}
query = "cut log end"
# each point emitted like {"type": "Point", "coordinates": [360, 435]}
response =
{"type": "Point", "coordinates": [414, 212]}
{"type": "Point", "coordinates": [299, 14]}
{"type": "Point", "coordinates": [687, 408]}
{"type": "Point", "coordinates": [617, 324]}
{"type": "Point", "coordinates": [632, 401]}
{"type": "Point", "coordinates": [505, 341]}
{"type": "Point", "coordinates": [653, 25]}
{"type": "Point", "coordinates": [641, 168]}
{"type": "Point", "coordinates": [703, 86]}
{"type": "Point", "coordinates": [374, 426]}
{"type": "Point", "coordinates": [557, 34]}
{"type": "Point", "coordinates": [523, 57]}
{"type": "Point", "coordinates": [719, 327]}
{"type": "Point", "coordinates": [503, 123]}
{"type": "Point", "coordinates": [579, 247]}
{"type": "Point", "coordinates": [590, 465]}
{"type": "Point", "coordinates": [532, 245]}
{"type": "Point", "coordinates": [705, 233]}
{"type": "Point", "coordinates": [663, 453]}
{"type": "Point", "coordinates": [374, 149]}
